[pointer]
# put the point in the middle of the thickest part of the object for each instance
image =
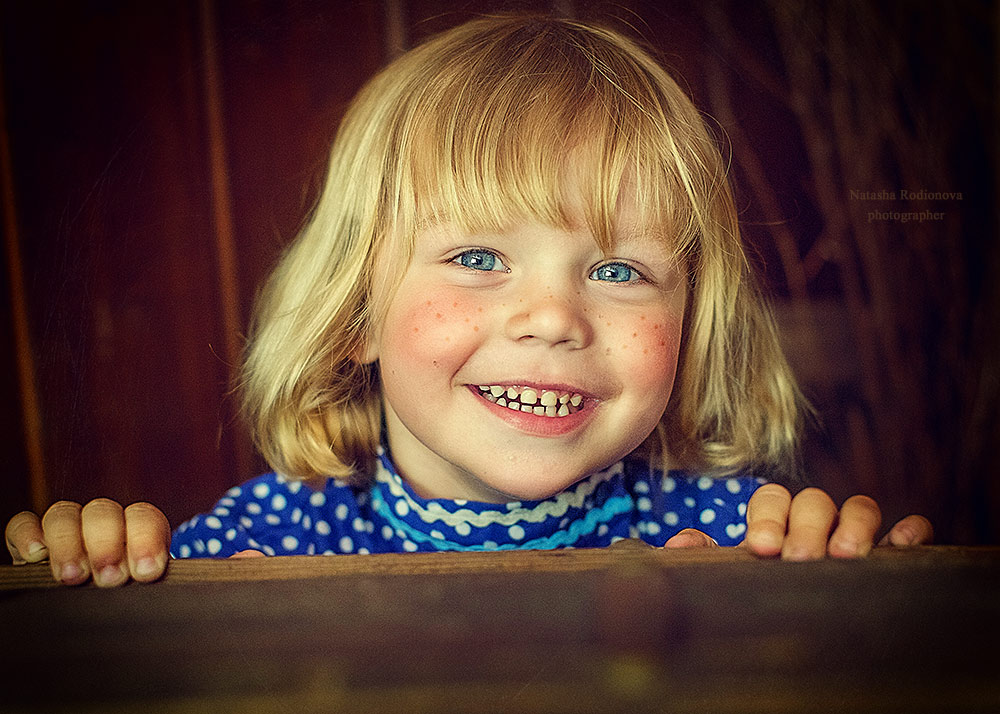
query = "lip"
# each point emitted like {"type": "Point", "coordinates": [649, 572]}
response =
{"type": "Point", "coordinates": [540, 425]}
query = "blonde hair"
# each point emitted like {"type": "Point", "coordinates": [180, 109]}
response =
{"type": "Point", "coordinates": [476, 125]}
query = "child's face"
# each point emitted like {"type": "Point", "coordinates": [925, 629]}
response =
{"type": "Point", "coordinates": [533, 307]}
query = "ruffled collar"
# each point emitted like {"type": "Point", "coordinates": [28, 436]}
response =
{"type": "Point", "coordinates": [559, 521]}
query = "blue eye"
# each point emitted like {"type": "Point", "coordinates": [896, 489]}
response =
{"type": "Point", "coordinates": [615, 273]}
{"type": "Point", "coordinates": [480, 260]}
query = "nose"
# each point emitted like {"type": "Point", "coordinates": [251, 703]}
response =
{"type": "Point", "coordinates": [550, 319]}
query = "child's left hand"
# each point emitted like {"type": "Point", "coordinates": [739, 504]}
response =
{"type": "Point", "coordinates": [800, 528]}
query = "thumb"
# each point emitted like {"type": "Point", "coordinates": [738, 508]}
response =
{"type": "Point", "coordinates": [690, 538]}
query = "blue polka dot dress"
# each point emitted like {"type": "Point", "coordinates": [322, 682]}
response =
{"type": "Point", "coordinates": [280, 516]}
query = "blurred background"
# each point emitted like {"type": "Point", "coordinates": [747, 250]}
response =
{"type": "Point", "coordinates": [156, 157]}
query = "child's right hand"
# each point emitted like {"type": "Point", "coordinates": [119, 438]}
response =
{"type": "Point", "coordinates": [100, 539]}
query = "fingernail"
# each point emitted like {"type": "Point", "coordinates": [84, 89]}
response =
{"type": "Point", "coordinates": [146, 568]}
{"type": "Point", "coordinates": [35, 550]}
{"type": "Point", "coordinates": [845, 548]}
{"type": "Point", "coordinates": [70, 572]}
{"type": "Point", "coordinates": [797, 554]}
{"type": "Point", "coordinates": [110, 575]}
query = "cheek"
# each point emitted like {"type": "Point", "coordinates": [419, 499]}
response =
{"type": "Point", "coordinates": [438, 330]}
{"type": "Point", "coordinates": [647, 347]}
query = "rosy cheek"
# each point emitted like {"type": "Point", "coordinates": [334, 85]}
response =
{"type": "Point", "coordinates": [436, 330]}
{"type": "Point", "coordinates": [647, 344]}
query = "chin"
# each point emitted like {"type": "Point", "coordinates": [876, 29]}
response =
{"type": "Point", "coordinates": [519, 490]}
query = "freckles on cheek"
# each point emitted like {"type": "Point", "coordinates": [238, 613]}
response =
{"type": "Point", "coordinates": [649, 345]}
{"type": "Point", "coordinates": [430, 330]}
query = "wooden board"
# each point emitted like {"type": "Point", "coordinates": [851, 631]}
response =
{"type": "Point", "coordinates": [621, 629]}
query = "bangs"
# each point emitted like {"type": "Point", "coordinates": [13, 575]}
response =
{"type": "Point", "coordinates": [523, 124]}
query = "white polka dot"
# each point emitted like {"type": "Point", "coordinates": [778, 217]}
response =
{"type": "Point", "coordinates": [742, 509]}
{"type": "Point", "coordinates": [670, 518]}
{"type": "Point", "coordinates": [732, 485]}
{"type": "Point", "coordinates": [220, 511]}
{"type": "Point", "coordinates": [719, 502]}
{"type": "Point", "coordinates": [246, 522]}
{"type": "Point", "coordinates": [603, 529]}
{"type": "Point", "coordinates": [185, 551]}
{"type": "Point", "coordinates": [386, 533]}
{"type": "Point", "coordinates": [513, 505]}
{"type": "Point", "coordinates": [369, 527]}
{"type": "Point", "coordinates": [329, 552]}
{"type": "Point", "coordinates": [437, 534]}
{"type": "Point", "coordinates": [295, 487]}
{"type": "Point", "coordinates": [652, 528]}
{"type": "Point", "coordinates": [311, 549]}
{"type": "Point", "coordinates": [213, 523]}
{"type": "Point", "coordinates": [641, 527]}
{"type": "Point", "coordinates": [317, 499]}
{"type": "Point", "coordinates": [235, 492]}
{"type": "Point", "coordinates": [707, 516]}
{"type": "Point", "coordinates": [230, 534]}
{"type": "Point", "coordinates": [363, 551]}
{"type": "Point", "coordinates": [641, 487]}
{"type": "Point", "coordinates": [643, 504]}
{"type": "Point", "coordinates": [409, 546]}
{"type": "Point", "coordinates": [289, 542]}
{"type": "Point", "coordinates": [489, 545]}
{"type": "Point", "coordinates": [563, 523]}
{"type": "Point", "coordinates": [214, 546]}
{"type": "Point", "coordinates": [268, 550]}
{"type": "Point", "coordinates": [346, 545]}
{"type": "Point", "coordinates": [340, 512]}
{"type": "Point", "coordinates": [323, 528]}
{"type": "Point", "coordinates": [254, 508]}
{"type": "Point", "coordinates": [199, 546]}
{"type": "Point", "coordinates": [460, 502]}
{"type": "Point", "coordinates": [261, 490]}
{"type": "Point", "coordinates": [735, 530]}
{"type": "Point", "coordinates": [296, 515]}
{"type": "Point", "coordinates": [227, 502]}
{"type": "Point", "coordinates": [689, 502]}
{"type": "Point", "coordinates": [307, 523]}
{"type": "Point", "coordinates": [253, 544]}
{"type": "Point", "coordinates": [400, 533]}
{"type": "Point", "coordinates": [705, 483]}
{"type": "Point", "coordinates": [402, 508]}
{"type": "Point", "coordinates": [359, 525]}
{"type": "Point", "coordinates": [516, 532]}
{"type": "Point", "coordinates": [463, 529]}
{"type": "Point", "coordinates": [271, 519]}
{"type": "Point", "coordinates": [669, 484]}
{"type": "Point", "coordinates": [279, 502]}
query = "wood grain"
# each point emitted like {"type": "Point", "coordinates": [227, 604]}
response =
{"type": "Point", "coordinates": [627, 629]}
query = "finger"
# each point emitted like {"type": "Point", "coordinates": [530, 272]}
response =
{"type": "Point", "coordinates": [61, 529]}
{"type": "Point", "coordinates": [857, 525]}
{"type": "Point", "coordinates": [25, 540]}
{"type": "Point", "coordinates": [147, 533]}
{"type": "Point", "coordinates": [767, 519]}
{"type": "Point", "coordinates": [690, 538]}
{"type": "Point", "coordinates": [809, 521]}
{"type": "Point", "coordinates": [912, 530]}
{"type": "Point", "coordinates": [103, 526]}
{"type": "Point", "coordinates": [248, 554]}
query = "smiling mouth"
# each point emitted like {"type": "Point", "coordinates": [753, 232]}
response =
{"type": "Point", "coordinates": [540, 402]}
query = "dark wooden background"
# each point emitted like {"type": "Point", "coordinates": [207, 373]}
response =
{"type": "Point", "coordinates": [156, 157]}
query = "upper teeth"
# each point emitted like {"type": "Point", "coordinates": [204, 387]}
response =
{"type": "Point", "coordinates": [543, 402]}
